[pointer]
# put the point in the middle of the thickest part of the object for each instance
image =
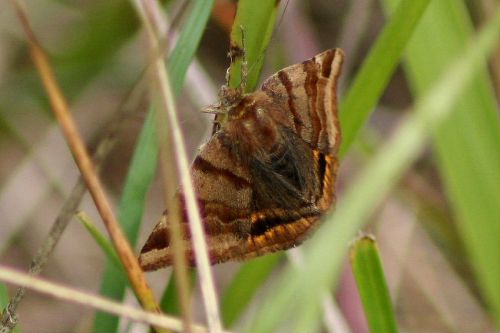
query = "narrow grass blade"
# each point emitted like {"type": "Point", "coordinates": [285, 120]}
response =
{"type": "Point", "coordinates": [255, 20]}
{"type": "Point", "coordinates": [100, 239]}
{"type": "Point", "coordinates": [4, 296]}
{"type": "Point", "coordinates": [377, 69]}
{"type": "Point", "coordinates": [240, 292]}
{"type": "Point", "coordinates": [130, 213]}
{"type": "Point", "coordinates": [188, 42]}
{"type": "Point", "coordinates": [299, 289]}
{"type": "Point", "coordinates": [468, 144]}
{"type": "Point", "coordinates": [372, 287]}
{"type": "Point", "coordinates": [169, 302]}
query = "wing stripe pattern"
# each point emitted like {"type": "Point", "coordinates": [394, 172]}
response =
{"type": "Point", "coordinates": [268, 222]}
{"type": "Point", "coordinates": [311, 87]}
{"type": "Point", "coordinates": [285, 81]}
{"type": "Point", "coordinates": [205, 166]}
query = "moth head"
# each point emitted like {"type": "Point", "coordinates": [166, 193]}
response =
{"type": "Point", "coordinates": [228, 98]}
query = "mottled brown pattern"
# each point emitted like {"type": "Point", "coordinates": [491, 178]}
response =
{"type": "Point", "coordinates": [223, 211]}
{"type": "Point", "coordinates": [268, 173]}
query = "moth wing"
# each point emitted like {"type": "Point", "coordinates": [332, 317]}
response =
{"type": "Point", "coordinates": [224, 194]}
{"type": "Point", "coordinates": [306, 92]}
{"type": "Point", "coordinates": [262, 207]}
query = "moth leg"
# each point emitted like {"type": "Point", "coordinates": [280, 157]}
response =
{"type": "Point", "coordinates": [228, 71]}
{"type": "Point", "coordinates": [244, 62]}
{"type": "Point", "coordinates": [234, 54]}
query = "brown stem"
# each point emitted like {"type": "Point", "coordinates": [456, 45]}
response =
{"type": "Point", "coordinates": [87, 169]}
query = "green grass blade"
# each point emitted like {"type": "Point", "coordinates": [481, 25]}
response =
{"type": "Point", "coordinates": [130, 212]}
{"type": "Point", "coordinates": [324, 253]}
{"type": "Point", "coordinates": [467, 145]}
{"type": "Point", "coordinates": [188, 42]}
{"type": "Point", "coordinates": [169, 302]}
{"type": "Point", "coordinates": [372, 287]}
{"type": "Point", "coordinates": [377, 69]}
{"type": "Point", "coordinates": [4, 296]}
{"type": "Point", "coordinates": [244, 285]}
{"type": "Point", "coordinates": [143, 163]}
{"type": "Point", "coordinates": [100, 239]}
{"type": "Point", "coordinates": [257, 19]}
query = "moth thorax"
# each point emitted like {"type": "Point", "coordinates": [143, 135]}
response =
{"type": "Point", "coordinates": [257, 130]}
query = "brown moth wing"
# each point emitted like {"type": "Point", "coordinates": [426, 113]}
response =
{"type": "Point", "coordinates": [306, 94]}
{"type": "Point", "coordinates": [224, 195]}
{"type": "Point", "coordinates": [264, 179]}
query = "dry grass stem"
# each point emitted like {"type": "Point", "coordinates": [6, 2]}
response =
{"type": "Point", "coordinates": [68, 126]}
{"type": "Point", "coordinates": [104, 146]}
{"type": "Point", "coordinates": [166, 99]}
{"type": "Point", "coordinates": [167, 166]}
{"type": "Point", "coordinates": [75, 296]}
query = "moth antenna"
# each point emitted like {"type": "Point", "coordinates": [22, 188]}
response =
{"type": "Point", "coordinates": [211, 110]}
{"type": "Point", "coordinates": [278, 25]}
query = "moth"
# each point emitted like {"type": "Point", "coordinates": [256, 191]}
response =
{"type": "Point", "coordinates": [268, 173]}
